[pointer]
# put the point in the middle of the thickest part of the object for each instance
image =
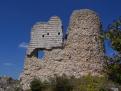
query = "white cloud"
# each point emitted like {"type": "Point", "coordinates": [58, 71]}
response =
{"type": "Point", "coordinates": [23, 45]}
{"type": "Point", "coordinates": [8, 64]}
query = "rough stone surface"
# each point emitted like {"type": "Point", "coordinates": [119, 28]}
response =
{"type": "Point", "coordinates": [80, 55]}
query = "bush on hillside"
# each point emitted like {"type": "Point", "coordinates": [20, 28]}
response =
{"type": "Point", "coordinates": [63, 83]}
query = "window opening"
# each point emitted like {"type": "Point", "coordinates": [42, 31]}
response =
{"type": "Point", "coordinates": [41, 54]}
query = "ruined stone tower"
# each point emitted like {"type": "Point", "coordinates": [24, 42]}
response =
{"type": "Point", "coordinates": [81, 53]}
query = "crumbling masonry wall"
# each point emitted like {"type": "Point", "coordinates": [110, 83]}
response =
{"type": "Point", "coordinates": [46, 35]}
{"type": "Point", "coordinates": [80, 56]}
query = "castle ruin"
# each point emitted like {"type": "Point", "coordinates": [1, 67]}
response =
{"type": "Point", "coordinates": [81, 54]}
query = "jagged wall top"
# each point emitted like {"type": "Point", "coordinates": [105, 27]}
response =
{"type": "Point", "coordinates": [46, 35]}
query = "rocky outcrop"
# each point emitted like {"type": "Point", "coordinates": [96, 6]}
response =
{"type": "Point", "coordinates": [80, 55]}
{"type": "Point", "coordinates": [9, 84]}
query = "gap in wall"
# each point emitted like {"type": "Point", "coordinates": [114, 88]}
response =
{"type": "Point", "coordinates": [41, 54]}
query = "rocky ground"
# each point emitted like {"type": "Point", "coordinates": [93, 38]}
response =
{"type": "Point", "coordinates": [9, 84]}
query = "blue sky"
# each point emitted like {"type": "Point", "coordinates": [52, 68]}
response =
{"type": "Point", "coordinates": [18, 16]}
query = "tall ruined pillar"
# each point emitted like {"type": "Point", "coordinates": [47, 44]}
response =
{"type": "Point", "coordinates": [84, 41]}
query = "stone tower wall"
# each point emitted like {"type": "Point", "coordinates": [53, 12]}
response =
{"type": "Point", "coordinates": [84, 31]}
{"type": "Point", "coordinates": [81, 54]}
{"type": "Point", "coordinates": [46, 35]}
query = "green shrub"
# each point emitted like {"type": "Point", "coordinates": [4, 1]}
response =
{"type": "Point", "coordinates": [64, 83]}
{"type": "Point", "coordinates": [36, 85]}
{"type": "Point", "coordinates": [113, 69]}
{"type": "Point", "coordinates": [29, 90]}
{"type": "Point", "coordinates": [113, 63]}
{"type": "Point", "coordinates": [92, 83]}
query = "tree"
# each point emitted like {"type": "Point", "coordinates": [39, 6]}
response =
{"type": "Point", "coordinates": [114, 34]}
{"type": "Point", "coordinates": [113, 65]}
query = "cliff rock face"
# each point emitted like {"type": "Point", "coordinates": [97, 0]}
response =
{"type": "Point", "coordinates": [80, 55]}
